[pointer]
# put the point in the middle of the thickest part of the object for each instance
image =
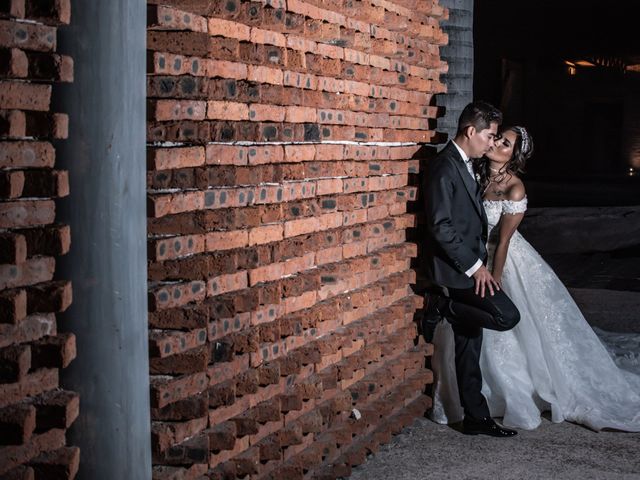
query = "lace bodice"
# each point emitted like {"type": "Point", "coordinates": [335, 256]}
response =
{"type": "Point", "coordinates": [496, 208]}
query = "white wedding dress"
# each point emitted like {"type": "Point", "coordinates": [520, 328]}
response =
{"type": "Point", "coordinates": [551, 361]}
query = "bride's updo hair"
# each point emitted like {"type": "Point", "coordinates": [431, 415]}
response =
{"type": "Point", "coordinates": [522, 151]}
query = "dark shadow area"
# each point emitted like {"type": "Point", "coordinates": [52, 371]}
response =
{"type": "Point", "coordinates": [570, 72]}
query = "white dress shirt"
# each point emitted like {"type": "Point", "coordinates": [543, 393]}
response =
{"type": "Point", "coordinates": [467, 161]}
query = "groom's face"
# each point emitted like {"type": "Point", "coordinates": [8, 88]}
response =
{"type": "Point", "coordinates": [480, 141]}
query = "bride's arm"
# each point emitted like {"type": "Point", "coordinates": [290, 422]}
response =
{"type": "Point", "coordinates": [507, 227]}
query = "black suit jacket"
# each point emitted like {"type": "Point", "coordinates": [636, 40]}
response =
{"type": "Point", "coordinates": [456, 220]}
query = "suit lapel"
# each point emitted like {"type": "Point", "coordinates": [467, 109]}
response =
{"type": "Point", "coordinates": [469, 183]}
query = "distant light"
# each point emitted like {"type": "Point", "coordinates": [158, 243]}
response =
{"type": "Point", "coordinates": [632, 172]}
{"type": "Point", "coordinates": [571, 70]}
{"type": "Point", "coordinates": [585, 63]}
{"type": "Point", "coordinates": [633, 68]}
{"type": "Point", "coordinates": [571, 64]}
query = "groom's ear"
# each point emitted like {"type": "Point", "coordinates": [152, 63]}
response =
{"type": "Point", "coordinates": [470, 131]}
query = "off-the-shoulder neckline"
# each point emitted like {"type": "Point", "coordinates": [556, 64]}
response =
{"type": "Point", "coordinates": [505, 200]}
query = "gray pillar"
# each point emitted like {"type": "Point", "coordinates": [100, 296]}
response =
{"type": "Point", "coordinates": [459, 55]}
{"type": "Point", "coordinates": [105, 156]}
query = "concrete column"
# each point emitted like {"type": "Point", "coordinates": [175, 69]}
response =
{"type": "Point", "coordinates": [459, 55]}
{"type": "Point", "coordinates": [105, 156]}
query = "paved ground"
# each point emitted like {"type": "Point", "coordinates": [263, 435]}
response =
{"type": "Point", "coordinates": [564, 451]}
{"type": "Point", "coordinates": [606, 286]}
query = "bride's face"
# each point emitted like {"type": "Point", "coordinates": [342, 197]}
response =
{"type": "Point", "coordinates": [502, 150]}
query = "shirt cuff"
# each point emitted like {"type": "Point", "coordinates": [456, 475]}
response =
{"type": "Point", "coordinates": [469, 273]}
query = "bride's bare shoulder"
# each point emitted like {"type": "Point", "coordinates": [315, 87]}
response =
{"type": "Point", "coordinates": [516, 190]}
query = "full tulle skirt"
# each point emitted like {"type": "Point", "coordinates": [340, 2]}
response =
{"type": "Point", "coordinates": [551, 361]}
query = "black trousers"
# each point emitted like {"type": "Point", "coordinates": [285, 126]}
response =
{"type": "Point", "coordinates": [468, 314]}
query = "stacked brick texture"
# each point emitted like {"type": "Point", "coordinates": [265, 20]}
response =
{"type": "Point", "coordinates": [282, 135]}
{"type": "Point", "coordinates": [34, 412]}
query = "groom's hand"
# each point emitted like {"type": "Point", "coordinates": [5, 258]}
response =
{"type": "Point", "coordinates": [484, 281]}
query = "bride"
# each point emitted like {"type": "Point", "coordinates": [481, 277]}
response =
{"type": "Point", "coordinates": [552, 360]}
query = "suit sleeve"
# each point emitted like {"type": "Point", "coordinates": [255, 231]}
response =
{"type": "Point", "coordinates": [439, 188]}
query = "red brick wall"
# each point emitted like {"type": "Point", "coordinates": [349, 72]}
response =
{"type": "Point", "coordinates": [279, 272]}
{"type": "Point", "coordinates": [34, 412]}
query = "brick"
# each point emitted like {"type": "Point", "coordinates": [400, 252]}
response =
{"type": "Point", "coordinates": [256, 73]}
{"type": "Point", "coordinates": [31, 384]}
{"type": "Point", "coordinates": [15, 8]}
{"type": "Point", "coordinates": [166, 434]}
{"type": "Point", "coordinates": [13, 306]}
{"type": "Point", "coordinates": [192, 407]}
{"type": "Point", "coordinates": [30, 272]}
{"type": "Point", "coordinates": [259, 35]}
{"type": "Point", "coordinates": [299, 153]}
{"type": "Point", "coordinates": [163, 472]}
{"type": "Point", "coordinates": [13, 456]}
{"type": "Point", "coordinates": [266, 274]}
{"type": "Point", "coordinates": [227, 283]}
{"type": "Point", "coordinates": [53, 352]}
{"type": "Point", "coordinates": [49, 297]}
{"type": "Point", "coordinates": [301, 226]}
{"type": "Point", "coordinates": [45, 183]}
{"type": "Point", "coordinates": [26, 213]}
{"type": "Point", "coordinates": [14, 63]}
{"type": "Point", "coordinates": [223, 456]}
{"type": "Point", "coordinates": [17, 424]}
{"type": "Point", "coordinates": [168, 63]}
{"type": "Point", "coordinates": [49, 66]}
{"type": "Point", "coordinates": [13, 123]}
{"type": "Point", "coordinates": [164, 343]}
{"type": "Point", "coordinates": [329, 186]}
{"type": "Point", "coordinates": [26, 154]}
{"type": "Point", "coordinates": [176, 294]}
{"type": "Point", "coordinates": [27, 36]}
{"type": "Point", "coordinates": [194, 450]}
{"type": "Point", "coordinates": [265, 234]}
{"type": "Point", "coordinates": [306, 300]}
{"type": "Point", "coordinates": [167, 18]}
{"type": "Point", "coordinates": [61, 463]}
{"type": "Point", "coordinates": [28, 329]}
{"type": "Point", "coordinates": [46, 124]}
{"type": "Point", "coordinates": [227, 240]}
{"type": "Point", "coordinates": [176, 247]}
{"type": "Point", "coordinates": [166, 390]}
{"type": "Point", "coordinates": [24, 96]}
{"type": "Point", "coordinates": [163, 110]}
{"type": "Point", "coordinates": [51, 13]}
{"type": "Point", "coordinates": [16, 362]}
{"type": "Point", "coordinates": [226, 69]}
{"type": "Point", "coordinates": [183, 43]}
{"type": "Point", "coordinates": [226, 28]}
{"type": "Point", "coordinates": [260, 113]}
{"type": "Point", "coordinates": [222, 371]}
{"type": "Point", "coordinates": [226, 155]}
{"type": "Point", "coordinates": [222, 436]}
{"type": "Point", "coordinates": [21, 472]}
{"type": "Point", "coordinates": [47, 241]}
{"type": "Point", "coordinates": [227, 110]}
{"type": "Point", "coordinates": [13, 248]}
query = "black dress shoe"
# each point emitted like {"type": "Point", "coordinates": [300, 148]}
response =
{"type": "Point", "coordinates": [431, 316]}
{"type": "Point", "coordinates": [485, 426]}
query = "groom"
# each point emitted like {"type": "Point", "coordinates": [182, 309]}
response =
{"type": "Point", "coordinates": [469, 298]}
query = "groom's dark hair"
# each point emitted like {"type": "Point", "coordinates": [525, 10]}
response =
{"type": "Point", "coordinates": [479, 115]}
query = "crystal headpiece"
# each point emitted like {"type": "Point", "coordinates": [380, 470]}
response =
{"type": "Point", "coordinates": [526, 139]}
